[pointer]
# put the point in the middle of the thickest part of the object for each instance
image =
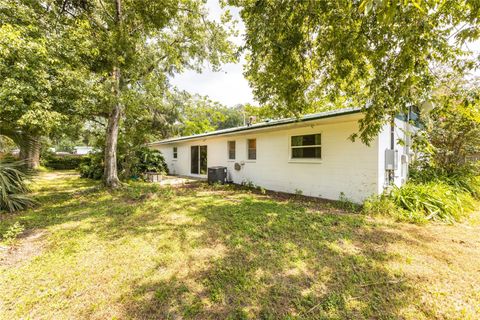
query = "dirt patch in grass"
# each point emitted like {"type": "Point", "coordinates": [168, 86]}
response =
{"type": "Point", "coordinates": [29, 245]}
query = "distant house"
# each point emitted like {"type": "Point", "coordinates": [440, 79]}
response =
{"type": "Point", "coordinates": [312, 155]}
{"type": "Point", "coordinates": [82, 150]}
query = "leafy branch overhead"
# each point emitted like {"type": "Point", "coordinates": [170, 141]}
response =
{"type": "Point", "coordinates": [379, 55]}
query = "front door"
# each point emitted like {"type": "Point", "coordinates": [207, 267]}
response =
{"type": "Point", "coordinates": [198, 159]}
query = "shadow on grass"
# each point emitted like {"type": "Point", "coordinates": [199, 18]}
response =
{"type": "Point", "coordinates": [279, 261]}
{"type": "Point", "coordinates": [236, 255]}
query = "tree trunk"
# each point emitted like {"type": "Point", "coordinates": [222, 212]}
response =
{"type": "Point", "coordinates": [110, 175]}
{"type": "Point", "coordinates": [30, 151]}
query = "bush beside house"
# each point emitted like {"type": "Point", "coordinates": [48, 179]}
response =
{"type": "Point", "coordinates": [132, 166]}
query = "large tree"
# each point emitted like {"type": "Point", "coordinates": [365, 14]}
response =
{"type": "Point", "coordinates": [129, 41]}
{"type": "Point", "coordinates": [43, 86]}
{"type": "Point", "coordinates": [375, 54]}
{"type": "Point", "coordinates": [199, 114]}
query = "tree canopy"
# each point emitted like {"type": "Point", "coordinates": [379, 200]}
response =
{"type": "Point", "coordinates": [107, 62]}
{"type": "Point", "coordinates": [378, 55]}
{"type": "Point", "coordinates": [42, 91]}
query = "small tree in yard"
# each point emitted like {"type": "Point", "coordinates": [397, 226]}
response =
{"type": "Point", "coordinates": [452, 130]}
{"type": "Point", "coordinates": [131, 43]}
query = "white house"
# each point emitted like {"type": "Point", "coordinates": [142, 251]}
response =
{"type": "Point", "coordinates": [312, 155]}
{"type": "Point", "coordinates": [82, 150]}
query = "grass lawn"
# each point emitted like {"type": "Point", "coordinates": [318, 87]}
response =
{"type": "Point", "coordinates": [202, 252]}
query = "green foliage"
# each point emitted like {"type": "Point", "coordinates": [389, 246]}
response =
{"type": "Point", "coordinates": [91, 166]}
{"type": "Point", "coordinates": [142, 45]}
{"type": "Point", "coordinates": [464, 178]}
{"type": "Point", "coordinates": [10, 236]}
{"type": "Point", "coordinates": [435, 200]}
{"type": "Point", "coordinates": [13, 188]}
{"type": "Point", "coordinates": [199, 114]}
{"type": "Point", "coordinates": [66, 162]}
{"type": "Point", "coordinates": [143, 160]}
{"type": "Point", "coordinates": [451, 133]}
{"type": "Point", "coordinates": [325, 54]}
{"type": "Point", "coordinates": [419, 202]}
{"type": "Point", "coordinates": [380, 205]}
{"type": "Point", "coordinates": [131, 165]}
{"type": "Point", "coordinates": [346, 203]}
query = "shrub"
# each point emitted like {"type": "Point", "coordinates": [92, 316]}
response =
{"type": "Point", "coordinates": [420, 202]}
{"type": "Point", "coordinates": [147, 160]}
{"type": "Point", "coordinates": [62, 162]}
{"type": "Point", "coordinates": [380, 205]}
{"type": "Point", "coordinates": [436, 200]}
{"type": "Point", "coordinates": [130, 166]}
{"type": "Point", "coordinates": [13, 188]}
{"type": "Point", "coordinates": [464, 178]}
{"type": "Point", "coordinates": [91, 166]}
{"type": "Point", "coordinates": [384, 205]}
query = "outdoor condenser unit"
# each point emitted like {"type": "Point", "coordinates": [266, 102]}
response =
{"type": "Point", "coordinates": [391, 159]}
{"type": "Point", "coordinates": [217, 175]}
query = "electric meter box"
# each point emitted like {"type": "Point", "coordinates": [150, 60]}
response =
{"type": "Point", "coordinates": [391, 159]}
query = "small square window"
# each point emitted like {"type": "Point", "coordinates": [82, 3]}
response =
{"type": "Point", "coordinates": [175, 152]}
{"type": "Point", "coordinates": [252, 149]}
{"type": "Point", "coordinates": [231, 150]}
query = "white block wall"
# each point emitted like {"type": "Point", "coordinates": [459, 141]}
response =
{"type": "Point", "coordinates": [346, 167]}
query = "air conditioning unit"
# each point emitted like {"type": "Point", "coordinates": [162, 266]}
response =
{"type": "Point", "coordinates": [217, 175]}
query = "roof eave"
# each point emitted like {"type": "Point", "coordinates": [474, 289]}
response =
{"type": "Point", "coordinates": [257, 127]}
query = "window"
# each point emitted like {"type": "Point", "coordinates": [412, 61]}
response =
{"type": "Point", "coordinates": [306, 147]}
{"type": "Point", "coordinates": [252, 149]}
{"type": "Point", "coordinates": [175, 152]}
{"type": "Point", "coordinates": [231, 150]}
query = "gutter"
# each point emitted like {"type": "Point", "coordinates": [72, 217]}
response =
{"type": "Point", "coordinates": [274, 123]}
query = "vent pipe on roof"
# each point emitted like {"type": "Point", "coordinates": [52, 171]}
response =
{"type": "Point", "coordinates": [251, 120]}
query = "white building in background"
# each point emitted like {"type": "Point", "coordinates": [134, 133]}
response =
{"type": "Point", "coordinates": [82, 150]}
{"type": "Point", "coordinates": [312, 155]}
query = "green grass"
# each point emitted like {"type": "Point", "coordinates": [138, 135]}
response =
{"type": "Point", "coordinates": [146, 252]}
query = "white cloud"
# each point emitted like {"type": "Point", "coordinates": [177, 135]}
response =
{"type": "Point", "coordinates": [227, 86]}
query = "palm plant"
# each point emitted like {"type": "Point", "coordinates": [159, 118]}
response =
{"type": "Point", "coordinates": [13, 188]}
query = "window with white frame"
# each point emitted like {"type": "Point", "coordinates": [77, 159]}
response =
{"type": "Point", "coordinates": [231, 150]}
{"type": "Point", "coordinates": [307, 146]}
{"type": "Point", "coordinates": [175, 152]}
{"type": "Point", "coordinates": [252, 149]}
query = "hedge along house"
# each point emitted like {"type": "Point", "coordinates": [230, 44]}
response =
{"type": "Point", "coordinates": [312, 155]}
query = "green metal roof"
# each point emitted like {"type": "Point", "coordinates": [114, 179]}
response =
{"type": "Point", "coordinates": [266, 124]}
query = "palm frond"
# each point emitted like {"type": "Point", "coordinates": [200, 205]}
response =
{"type": "Point", "coordinates": [13, 188]}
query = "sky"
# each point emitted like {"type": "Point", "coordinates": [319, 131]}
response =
{"type": "Point", "coordinates": [229, 86]}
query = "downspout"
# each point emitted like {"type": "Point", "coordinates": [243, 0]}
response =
{"type": "Point", "coordinates": [407, 143]}
{"type": "Point", "coordinates": [391, 173]}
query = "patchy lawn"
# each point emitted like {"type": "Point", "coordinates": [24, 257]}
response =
{"type": "Point", "coordinates": [216, 252]}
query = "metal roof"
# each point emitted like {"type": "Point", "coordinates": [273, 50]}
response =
{"type": "Point", "coordinates": [266, 124]}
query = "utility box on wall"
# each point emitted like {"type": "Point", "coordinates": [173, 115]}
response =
{"type": "Point", "coordinates": [391, 159]}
